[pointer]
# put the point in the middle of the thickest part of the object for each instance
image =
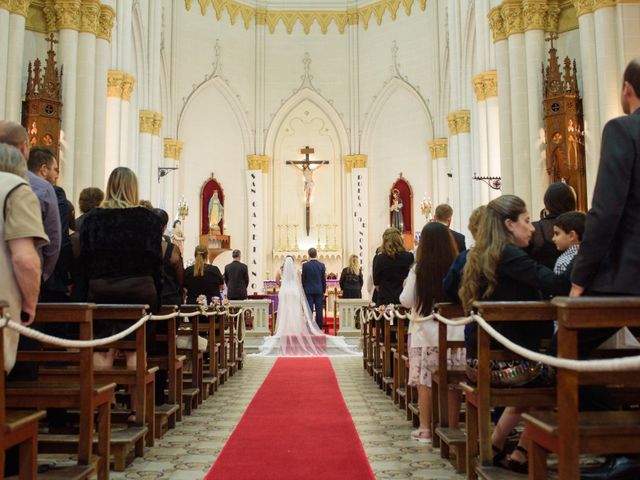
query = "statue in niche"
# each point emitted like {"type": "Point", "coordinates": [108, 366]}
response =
{"type": "Point", "coordinates": [177, 236]}
{"type": "Point", "coordinates": [396, 211]}
{"type": "Point", "coordinates": [215, 213]}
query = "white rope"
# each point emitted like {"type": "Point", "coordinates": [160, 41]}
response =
{"type": "Point", "coordinates": [164, 317]}
{"type": "Point", "coordinates": [452, 323]}
{"type": "Point", "coordinates": [600, 365]}
{"type": "Point", "coordinates": [189, 315]}
{"type": "Point", "coordinates": [61, 342]}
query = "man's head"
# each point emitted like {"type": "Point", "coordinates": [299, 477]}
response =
{"type": "Point", "coordinates": [235, 254]}
{"type": "Point", "coordinates": [630, 98]}
{"type": "Point", "coordinates": [568, 230]}
{"type": "Point", "coordinates": [313, 253]}
{"type": "Point", "coordinates": [11, 161]}
{"type": "Point", "coordinates": [164, 217]}
{"type": "Point", "coordinates": [43, 164]}
{"type": "Point", "coordinates": [15, 134]}
{"type": "Point", "coordinates": [90, 197]}
{"type": "Point", "coordinates": [443, 214]}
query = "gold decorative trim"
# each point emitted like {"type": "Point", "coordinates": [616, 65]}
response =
{"type": "Point", "coordinates": [359, 160]}
{"type": "Point", "coordinates": [307, 18]}
{"type": "Point", "coordinates": [463, 121]}
{"type": "Point", "coordinates": [64, 14]}
{"type": "Point", "coordinates": [147, 119]}
{"type": "Point", "coordinates": [114, 83]}
{"type": "Point", "coordinates": [259, 162]}
{"type": "Point", "coordinates": [105, 22]}
{"type": "Point", "coordinates": [5, 5]}
{"type": "Point", "coordinates": [157, 124]}
{"type": "Point", "coordinates": [173, 148]}
{"type": "Point", "coordinates": [19, 7]}
{"type": "Point", "coordinates": [90, 16]}
{"type": "Point", "coordinates": [485, 85]}
{"type": "Point", "coordinates": [453, 125]}
{"type": "Point", "coordinates": [439, 148]}
{"type": "Point", "coordinates": [518, 16]}
{"type": "Point", "coordinates": [128, 83]}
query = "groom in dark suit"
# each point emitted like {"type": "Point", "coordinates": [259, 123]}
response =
{"type": "Point", "coordinates": [314, 282]}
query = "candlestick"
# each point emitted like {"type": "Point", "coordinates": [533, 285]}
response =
{"type": "Point", "coordinates": [326, 235]}
{"type": "Point", "coordinates": [295, 226]}
{"type": "Point", "coordinates": [335, 236]}
{"type": "Point", "coordinates": [287, 236]}
{"type": "Point", "coordinates": [318, 232]}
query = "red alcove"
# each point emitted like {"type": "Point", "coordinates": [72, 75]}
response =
{"type": "Point", "coordinates": [206, 192]}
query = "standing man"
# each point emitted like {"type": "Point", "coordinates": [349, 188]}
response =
{"type": "Point", "coordinates": [608, 261]}
{"type": "Point", "coordinates": [15, 134]}
{"type": "Point", "coordinates": [314, 282]}
{"type": "Point", "coordinates": [236, 276]}
{"type": "Point", "coordinates": [443, 215]}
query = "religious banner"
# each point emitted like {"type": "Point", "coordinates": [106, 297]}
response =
{"type": "Point", "coordinates": [359, 197]}
{"type": "Point", "coordinates": [255, 255]}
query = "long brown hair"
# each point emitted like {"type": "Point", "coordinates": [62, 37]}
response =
{"type": "Point", "coordinates": [435, 254]}
{"type": "Point", "coordinates": [392, 242]}
{"type": "Point", "coordinates": [479, 279]}
{"type": "Point", "coordinates": [200, 259]}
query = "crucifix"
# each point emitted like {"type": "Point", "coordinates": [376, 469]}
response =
{"type": "Point", "coordinates": [307, 172]}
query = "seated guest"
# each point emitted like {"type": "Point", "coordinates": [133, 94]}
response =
{"type": "Point", "coordinates": [173, 268]}
{"type": "Point", "coordinates": [558, 199]}
{"type": "Point", "coordinates": [498, 269]}
{"type": "Point", "coordinates": [391, 267]}
{"type": "Point", "coordinates": [202, 278]}
{"type": "Point", "coordinates": [90, 198]}
{"type": "Point", "coordinates": [567, 236]}
{"type": "Point", "coordinates": [351, 279]}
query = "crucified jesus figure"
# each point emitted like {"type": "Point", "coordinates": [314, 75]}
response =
{"type": "Point", "coordinates": [307, 172]}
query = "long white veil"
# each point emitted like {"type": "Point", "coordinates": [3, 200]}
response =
{"type": "Point", "coordinates": [297, 334]}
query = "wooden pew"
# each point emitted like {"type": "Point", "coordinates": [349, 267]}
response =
{"type": "Point", "coordinates": [400, 363]}
{"type": "Point", "coordinates": [193, 379]}
{"type": "Point", "coordinates": [446, 436]}
{"type": "Point", "coordinates": [76, 390]}
{"type": "Point", "coordinates": [232, 341]}
{"type": "Point", "coordinates": [569, 432]}
{"type": "Point", "coordinates": [223, 348]}
{"type": "Point", "coordinates": [378, 349]}
{"type": "Point", "coordinates": [241, 329]}
{"type": "Point", "coordinates": [166, 358]}
{"type": "Point", "coordinates": [388, 345]}
{"type": "Point", "coordinates": [361, 313]}
{"type": "Point", "coordinates": [481, 397]}
{"type": "Point", "coordinates": [17, 427]}
{"type": "Point", "coordinates": [207, 328]}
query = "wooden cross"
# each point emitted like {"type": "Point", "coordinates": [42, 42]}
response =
{"type": "Point", "coordinates": [305, 167]}
{"type": "Point", "coordinates": [552, 36]}
{"type": "Point", "coordinates": [51, 40]}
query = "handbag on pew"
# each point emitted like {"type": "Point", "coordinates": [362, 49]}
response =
{"type": "Point", "coordinates": [513, 373]}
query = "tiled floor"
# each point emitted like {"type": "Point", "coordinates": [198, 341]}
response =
{"type": "Point", "coordinates": [189, 451]}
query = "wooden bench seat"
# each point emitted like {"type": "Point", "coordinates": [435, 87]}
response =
{"type": "Point", "coordinates": [400, 358]}
{"type": "Point", "coordinates": [192, 379]}
{"type": "Point", "coordinates": [456, 441]}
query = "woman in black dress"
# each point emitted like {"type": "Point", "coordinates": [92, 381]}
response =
{"type": "Point", "coordinates": [391, 267]}
{"type": "Point", "coordinates": [351, 279]}
{"type": "Point", "coordinates": [202, 278]}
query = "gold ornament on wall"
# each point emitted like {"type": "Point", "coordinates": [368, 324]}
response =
{"type": "Point", "coordinates": [90, 16]}
{"type": "Point", "coordinates": [173, 148]}
{"type": "Point", "coordinates": [358, 160]}
{"type": "Point", "coordinates": [105, 22]}
{"type": "Point", "coordinates": [259, 162]}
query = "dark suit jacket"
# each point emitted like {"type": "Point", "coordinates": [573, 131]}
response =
{"type": "Point", "coordinates": [236, 276]}
{"type": "Point", "coordinates": [459, 238]}
{"type": "Point", "coordinates": [609, 256]}
{"type": "Point", "coordinates": [314, 278]}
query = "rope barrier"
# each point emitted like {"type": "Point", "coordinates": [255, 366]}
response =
{"type": "Point", "coordinates": [6, 321]}
{"type": "Point", "coordinates": [599, 365]}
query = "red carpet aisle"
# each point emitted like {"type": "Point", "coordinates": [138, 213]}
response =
{"type": "Point", "coordinates": [296, 427]}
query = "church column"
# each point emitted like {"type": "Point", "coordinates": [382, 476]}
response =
{"type": "Point", "coordinates": [490, 80]}
{"type": "Point", "coordinates": [115, 79]}
{"type": "Point", "coordinates": [153, 85]}
{"type": "Point", "coordinates": [356, 167]}
{"type": "Point", "coordinates": [150, 124]}
{"type": "Point", "coordinates": [588, 65]}
{"type": "Point", "coordinates": [16, 20]}
{"type": "Point", "coordinates": [83, 158]}
{"type": "Point", "coordinates": [609, 85]}
{"type": "Point", "coordinates": [102, 61]}
{"type": "Point", "coordinates": [261, 34]}
{"type": "Point", "coordinates": [455, 186]}
{"type": "Point", "coordinates": [435, 180]}
{"type": "Point", "coordinates": [354, 82]}
{"type": "Point", "coordinates": [497, 25]}
{"type": "Point", "coordinates": [257, 168]}
{"type": "Point", "coordinates": [5, 13]}
{"type": "Point", "coordinates": [482, 147]}
{"type": "Point", "coordinates": [124, 122]}
{"type": "Point", "coordinates": [463, 127]}
{"type": "Point", "coordinates": [441, 149]}
{"type": "Point", "coordinates": [172, 149]}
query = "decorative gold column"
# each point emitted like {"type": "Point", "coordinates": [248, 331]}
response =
{"type": "Point", "coordinates": [173, 148]}
{"type": "Point", "coordinates": [355, 161]}
{"type": "Point", "coordinates": [150, 124]}
{"type": "Point", "coordinates": [439, 149]}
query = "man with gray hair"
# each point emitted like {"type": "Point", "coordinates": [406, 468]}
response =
{"type": "Point", "coordinates": [236, 276]}
{"type": "Point", "coordinates": [15, 134]}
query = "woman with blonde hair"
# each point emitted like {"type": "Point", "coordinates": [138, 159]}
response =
{"type": "Point", "coordinates": [498, 269]}
{"type": "Point", "coordinates": [351, 280]}
{"type": "Point", "coordinates": [121, 257]}
{"type": "Point", "coordinates": [202, 278]}
{"type": "Point", "coordinates": [391, 267]}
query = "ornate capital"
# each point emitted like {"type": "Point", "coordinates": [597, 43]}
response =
{"type": "Point", "coordinates": [147, 119]}
{"type": "Point", "coordinates": [156, 124]}
{"type": "Point", "coordinates": [90, 16]}
{"type": "Point", "coordinates": [441, 147]}
{"type": "Point", "coordinates": [478, 87]}
{"type": "Point", "coordinates": [513, 21]}
{"type": "Point", "coordinates": [490, 81]}
{"type": "Point", "coordinates": [105, 22]}
{"type": "Point", "coordinates": [127, 87]}
{"type": "Point", "coordinates": [67, 14]}
{"type": "Point", "coordinates": [604, 3]}
{"type": "Point", "coordinates": [453, 126]}
{"type": "Point", "coordinates": [114, 83]}
{"type": "Point", "coordinates": [534, 14]}
{"type": "Point", "coordinates": [463, 121]}
{"type": "Point", "coordinates": [173, 148]}
{"type": "Point", "coordinates": [358, 160]}
{"type": "Point", "coordinates": [432, 149]}
{"type": "Point", "coordinates": [552, 23]}
{"type": "Point", "coordinates": [258, 162]}
{"type": "Point", "coordinates": [583, 6]}
{"type": "Point", "coordinates": [496, 24]}
{"type": "Point", "coordinates": [19, 7]}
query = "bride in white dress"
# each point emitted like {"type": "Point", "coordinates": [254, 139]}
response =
{"type": "Point", "coordinates": [297, 334]}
